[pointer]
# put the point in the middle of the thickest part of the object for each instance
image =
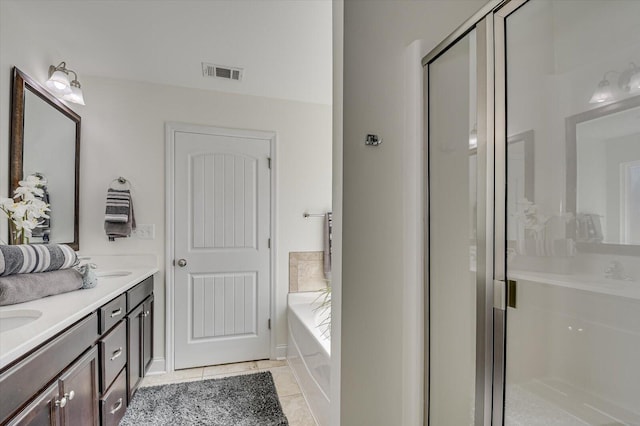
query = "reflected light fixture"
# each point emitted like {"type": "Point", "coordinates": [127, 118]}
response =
{"type": "Point", "coordinates": [62, 87]}
{"type": "Point", "coordinates": [634, 78]}
{"type": "Point", "coordinates": [473, 137]}
{"type": "Point", "coordinates": [603, 93]}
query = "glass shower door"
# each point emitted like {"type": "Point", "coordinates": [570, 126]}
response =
{"type": "Point", "coordinates": [452, 234]}
{"type": "Point", "coordinates": [573, 210]}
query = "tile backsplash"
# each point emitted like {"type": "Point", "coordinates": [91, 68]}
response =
{"type": "Point", "coordinates": [305, 271]}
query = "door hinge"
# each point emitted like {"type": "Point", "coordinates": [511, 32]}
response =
{"type": "Point", "coordinates": [269, 243]}
{"type": "Point", "coordinates": [269, 161]}
{"type": "Point", "coordinates": [269, 323]}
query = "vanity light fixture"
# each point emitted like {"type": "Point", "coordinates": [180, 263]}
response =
{"type": "Point", "coordinates": [603, 93]}
{"type": "Point", "coordinates": [62, 87]}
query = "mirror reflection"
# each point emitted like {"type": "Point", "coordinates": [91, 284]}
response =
{"type": "Point", "coordinates": [607, 174]}
{"type": "Point", "coordinates": [47, 136]}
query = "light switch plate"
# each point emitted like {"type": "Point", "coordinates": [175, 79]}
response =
{"type": "Point", "coordinates": [145, 231]}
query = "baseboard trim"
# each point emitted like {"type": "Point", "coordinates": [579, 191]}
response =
{"type": "Point", "coordinates": [158, 366]}
{"type": "Point", "coordinates": [281, 352]}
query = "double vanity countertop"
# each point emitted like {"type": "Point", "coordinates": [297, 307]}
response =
{"type": "Point", "coordinates": [116, 274]}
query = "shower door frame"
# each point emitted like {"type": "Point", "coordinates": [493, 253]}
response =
{"type": "Point", "coordinates": [491, 223]}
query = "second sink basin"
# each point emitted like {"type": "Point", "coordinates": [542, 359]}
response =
{"type": "Point", "coordinates": [17, 318]}
{"type": "Point", "coordinates": [112, 274]}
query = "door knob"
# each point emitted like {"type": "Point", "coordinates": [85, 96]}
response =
{"type": "Point", "coordinates": [182, 263]}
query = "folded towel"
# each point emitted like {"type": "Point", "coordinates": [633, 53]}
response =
{"type": "Point", "coordinates": [25, 287]}
{"type": "Point", "coordinates": [118, 206]}
{"type": "Point", "coordinates": [328, 231]}
{"type": "Point", "coordinates": [119, 219]}
{"type": "Point", "coordinates": [28, 258]}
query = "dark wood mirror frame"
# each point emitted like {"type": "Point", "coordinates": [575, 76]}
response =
{"type": "Point", "coordinates": [571, 124]}
{"type": "Point", "coordinates": [22, 82]}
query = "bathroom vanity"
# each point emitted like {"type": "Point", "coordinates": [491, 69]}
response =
{"type": "Point", "coordinates": [82, 369]}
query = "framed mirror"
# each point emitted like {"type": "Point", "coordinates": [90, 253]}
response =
{"type": "Point", "coordinates": [45, 141]}
{"type": "Point", "coordinates": [603, 177]}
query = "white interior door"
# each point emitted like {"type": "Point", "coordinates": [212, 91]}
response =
{"type": "Point", "coordinates": [221, 247]}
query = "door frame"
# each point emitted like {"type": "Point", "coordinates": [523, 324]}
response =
{"type": "Point", "coordinates": [170, 129]}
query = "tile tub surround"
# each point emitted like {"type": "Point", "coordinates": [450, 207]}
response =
{"type": "Point", "coordinates": [306, 271]}
{"type": "Point", "coordinates": [291, 398]}
{"type": "Point", "coordinates": [61, 311]}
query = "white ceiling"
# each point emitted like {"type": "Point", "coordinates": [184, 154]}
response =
{"type": "Point", "coordinates": [284, 46]}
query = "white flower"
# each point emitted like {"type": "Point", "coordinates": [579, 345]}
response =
{"type": "Point", "coordinates": [25, 209]}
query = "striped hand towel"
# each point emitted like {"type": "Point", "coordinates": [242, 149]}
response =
{"type": "Point", "coordinates": [119, 218]}
{"type": "Point", "coordinates": [28, 258]}
{"type": "Point", "coordinates": [118, 206]}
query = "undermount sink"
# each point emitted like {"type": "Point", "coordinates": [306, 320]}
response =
{"type": "Point", "coordinates": [17, 318]}
{"type": "Point", "coordinates": [112, 274]}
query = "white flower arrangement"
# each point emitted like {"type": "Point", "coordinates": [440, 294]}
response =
{"type": "Point", "coordinates": [534, 220]}
{"type": "Point", "coordinates": [25, 210]}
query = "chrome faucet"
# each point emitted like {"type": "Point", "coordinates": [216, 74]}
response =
{"type": "Point", "coordinates": [615, 271]}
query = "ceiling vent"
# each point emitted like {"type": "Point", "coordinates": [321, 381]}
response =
{"type": "Point", "coordinates": [221, 71]}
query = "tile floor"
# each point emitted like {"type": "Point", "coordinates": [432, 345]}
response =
{"type": "Point", "coordinates": [293, 403]}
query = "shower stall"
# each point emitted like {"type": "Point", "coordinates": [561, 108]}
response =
{"type": "Point", "coordinates": [533, 273]}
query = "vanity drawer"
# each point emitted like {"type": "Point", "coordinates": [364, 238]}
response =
{"type": "Point", "coordinates": [137, 294]}
{"type": "Point", "coordinates": [114, 403]}
{"type": "Point", "coordinates": [112, 312]}
{"type": "Point", "coordinates": [113, 355]}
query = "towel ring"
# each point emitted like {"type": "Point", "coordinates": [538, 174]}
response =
{"type": "Point", "coordinates": [122, 181]}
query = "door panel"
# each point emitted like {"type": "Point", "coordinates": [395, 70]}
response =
{"type": "Point", "coordinates": [452, 235]}
{"type": "Point", "coordinates": [222, 295]}
{"type": "Point", "coordinates": [573, 337]}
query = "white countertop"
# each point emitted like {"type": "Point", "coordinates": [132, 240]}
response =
{"type": "Point", "coordinates": [62, 310]}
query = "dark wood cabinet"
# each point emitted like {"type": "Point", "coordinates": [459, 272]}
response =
{"type": "Point", "coordinates": [85, 375]}
{"type": "Point", "coordinates": [41, 411]}
{"type": "Point", "coordinates": [140, 332]}
{"type": "Point", "coordinates": [79, 386]}
{"type": "Point", "coordinates": [72, 399]}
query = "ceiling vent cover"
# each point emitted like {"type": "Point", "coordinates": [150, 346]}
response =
{"type": "Point", "coordinates": [221, 71]}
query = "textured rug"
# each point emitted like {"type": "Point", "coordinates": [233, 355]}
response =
{"type": "Point", "coordinates": [245, 400]}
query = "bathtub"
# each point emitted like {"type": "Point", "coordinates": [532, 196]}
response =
{"type": "Point", "coordinates": [309, 352]}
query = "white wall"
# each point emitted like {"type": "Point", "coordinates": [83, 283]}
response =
{"type": "Point", "coordinates": [376, 36]}
{"type": "Point", "coordinates": [123, 135]}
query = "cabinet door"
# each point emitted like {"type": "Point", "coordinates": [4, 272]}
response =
{"type": "Point", "coordinates": [42, 411]}
{"type": "Point", "coordinates": [134, 357]}
{"type": "Point", "coordinates": [147, 334]}
{"type": "Point", "coordinates": [79, 385]}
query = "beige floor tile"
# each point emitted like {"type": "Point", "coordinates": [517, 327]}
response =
{"type": "Point", "coordinates": [297, 411]}
{"type": "Point", "coordinates": [179, 376]}
{"type": "Point", "coordinates": [226, 369]}
{"type": "Point", "coordinates": [285, 381]}
{"type": "Point", "coordinates": [271, 363]}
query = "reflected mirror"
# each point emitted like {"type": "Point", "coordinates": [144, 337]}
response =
{"type": "Point", "coordinates": [603, 185]}
{"type": "Point", "coordinates": [45, 142]}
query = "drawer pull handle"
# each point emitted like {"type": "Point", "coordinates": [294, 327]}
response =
{"type": "Point", "coordinates": [70, 395]}
{"type": "Point", "coordinates": [116, 312]}
{"type": "Point", "coordinates": [116, 406]}
{"type": "Point", "coordinates": [61, 402]}
{"type": "Point", "coordinates": [116, 354]}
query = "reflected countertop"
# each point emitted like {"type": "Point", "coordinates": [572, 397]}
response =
{"type": "Point", "coordinates": [592, 283]}
{"type": "Point", "coordinates": [61, 311]}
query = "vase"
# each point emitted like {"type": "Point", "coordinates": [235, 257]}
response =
{"type": "Point", "coordinates": [17, 234]}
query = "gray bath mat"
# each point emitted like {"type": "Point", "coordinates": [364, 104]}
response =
{"type": "Point", "coordinates": [245, 400]}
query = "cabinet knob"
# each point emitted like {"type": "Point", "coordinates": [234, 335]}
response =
{"type": "Point", "coordinates": [70, 395]}
{"type": "Point", "coordinates": [182, 263]}
{"type": "Point", "coordinates": [61, 402]}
